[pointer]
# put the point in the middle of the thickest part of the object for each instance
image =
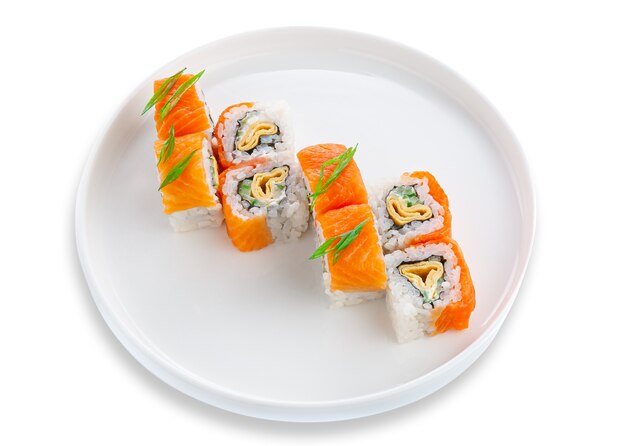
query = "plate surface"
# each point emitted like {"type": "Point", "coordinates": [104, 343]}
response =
{"type": "Point", "coordinates": [251, 333]}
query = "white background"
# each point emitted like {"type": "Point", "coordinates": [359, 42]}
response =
{"type": "Point", "coordinates": [555, 70]}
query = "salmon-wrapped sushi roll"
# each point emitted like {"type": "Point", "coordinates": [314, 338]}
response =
{"type": "Point", "coordinates": [346, 189]}
{"type": "Point", "coordinates": [252, 129]}
{"type": "Point", "coordinates": [410, 210]}
{"type": "Point", "coordinates": [430, 289]}
{"type": "Point", "coordinates": [182, 106]}
{"type": "Point", "coordinates": [264, 201]}
{"type": "Point", "coordinates": [354, 267]}
{"type": "Point", "coordinates": [189, 179]}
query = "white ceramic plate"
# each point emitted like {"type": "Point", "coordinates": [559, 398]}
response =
{"type": "Point", "coordinates": [251, 333]}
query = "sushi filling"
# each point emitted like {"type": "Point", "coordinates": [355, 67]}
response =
{"type": "Point", "coordinates": [264, 188]}
{"type": "Point", "coordinates": [404, 206]}
{"type": "Point", "coordinates": [426, 276]}
{"type": "Point", "coordinates": [213, 170]}
{"type": "Point", "coordinates": [210, 167]}
{"type": "Point", "coordinates": [255, 130]}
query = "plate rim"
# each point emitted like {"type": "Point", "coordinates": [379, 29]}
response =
{"type": "Point", "coordinates": [353, 407]}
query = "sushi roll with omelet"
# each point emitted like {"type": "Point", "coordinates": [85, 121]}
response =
{"type": "Point", "coordinates": [264, 201]}
{"type": "Point", "coordinates": [250, 130]}
{"type": "Point", "coordinates": [430, 289]}
{"type": "Point", "coordinates": [412, 209]}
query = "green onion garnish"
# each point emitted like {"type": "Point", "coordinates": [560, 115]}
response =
{"type": "Point", "coordinates": [177, 170]}
{"type": "Point", "coordinates": [345, 240]}
{"type": "Point", "coordinates": [178, 94]}
{"type": "Point", "coordinates": [341, 161]}
{"type": "Point", "coordinates": [163, 90]}
{"type": "Point", "coordinates": [167, 147]}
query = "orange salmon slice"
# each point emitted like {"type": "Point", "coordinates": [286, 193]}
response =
{"type": "Point", "coordinates": [361, 265]}
{"type": "Point", "coordinates": [348, 189]}
{"type": "Point", "coordinates": [456, 315]}
{"type": "Point", "coordinates": [189, 115]}
{"type": "Point", "coordinates": [190, 189]}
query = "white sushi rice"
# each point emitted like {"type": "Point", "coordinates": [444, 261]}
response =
{"type": "Point", "coordinates": [392, 237]}
{"type": "Point", "coordinates": [276, 112]}
{"type": "Point", "coordinates": [411, 318]}
{"type": "Point", "coordinates": [201, 217]}
{"type": "Point", "coordinates": [289, 218]}
{"type": "Point", "coordinates": [207, 110]}
{"type": "Point", "coordinates": [336, 298]}
{"type": "Point", "coordinates": [196, 218]}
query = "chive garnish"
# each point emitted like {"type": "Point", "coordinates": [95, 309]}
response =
{"type": "Point", "coordinates": [178, 94]}
{"type": "Point", "coordinates": [163, 90]}
{"type": "Point", "coordinates": [341, 161]}
{"type": "Point", "coordinates": [345, 240]}
{"type": "Point", "coordinates": [167, 147]}
{"type": "Point", "coordinates": [177, 170]}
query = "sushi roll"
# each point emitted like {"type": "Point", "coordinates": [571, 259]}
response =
{"type": "Point", "coordinates": [345, 190]}
{"type": "Point", "coordinates": [354, 267]}
{"type": "Point", "coordinates": [348, 242]}
{"type": "Point", "coordinates": [264, 201]}
{"type": "Point", "coordinates": [251, 129]}
{"type": "Point", "coordinates": [188, 177]}
{"type": "Point", "coordinates": [410, 210]}
{"type": "Point", "coordinates": [430, 289]}
{"type": "Point", "coordinates": [181, 106]}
